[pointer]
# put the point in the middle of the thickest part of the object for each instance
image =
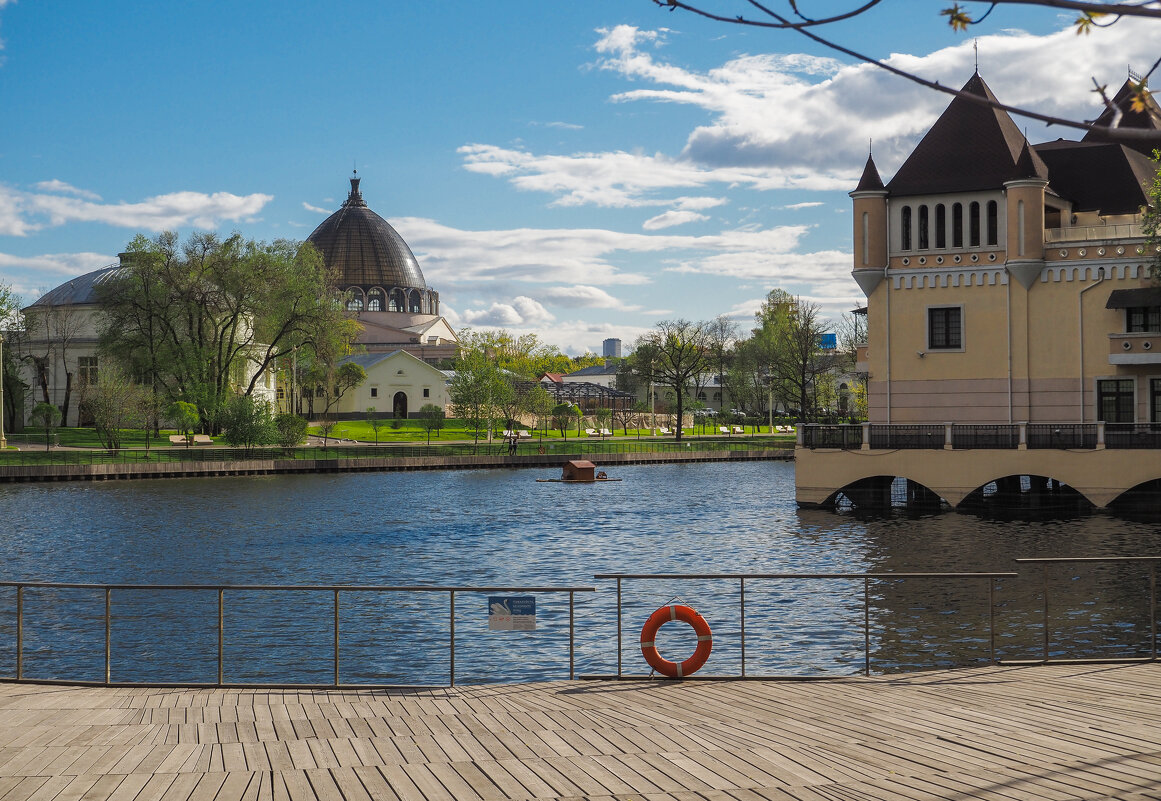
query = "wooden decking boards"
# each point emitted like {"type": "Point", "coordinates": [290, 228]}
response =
{"type": "Point", "coordinates": [1044, 733]}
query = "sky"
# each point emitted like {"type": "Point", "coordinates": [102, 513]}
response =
{"type": "Point", "coordinates": [577, 170]}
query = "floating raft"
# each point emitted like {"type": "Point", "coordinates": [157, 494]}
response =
{"type": "Point", "coordinates": [578, 471]}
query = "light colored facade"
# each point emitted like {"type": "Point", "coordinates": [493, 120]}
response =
{"type": "Point", "coordinates": [1008, 282]}
{"type": "Point", "coordinates": [398, 385]}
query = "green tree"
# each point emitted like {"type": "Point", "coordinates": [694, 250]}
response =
{"type": "Point", "coordinates": [431, 417]}
{"type": "Point", "coordinates": [790, 330]}
{"type": "Point", "coordinates": [114, 403]}
{"type": "Point", "coordinates": [48, 416]}
{"type": "Point", "coordinates": [184, 417]}
{"type": "Point", "coordinates": [474, 386]}
{"type": "Point", "coordinates": [1151, 224]}
{"type": "Point", "coordinates": [374, 421]}
{"type": "Point", "coordinates": [539, 405]}
{"type": "Point", "coordinates": [207, 318]}
{"type": "Point", "coordinates": [248, 422]}
{"type": "Point", "coordinates": [289, 430]}
{"type": "Point", "coordinates": [673, 354]}
{"type": "Point", "coordinates": [11, 330]}
{"type": "Point", "coordinates": [332, 382]}
{"type": "Point", "coordinates": [562, 415]}
{"type": "Point", "coordinates": [326, 428]}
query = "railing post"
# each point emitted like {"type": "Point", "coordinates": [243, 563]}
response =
{"type": "Point", "coordinates": [948, 442]}
{"type": "Point", "coordinates": [866, 446]}
{"type": "Point", "coordinates": [571, 637]}
{"type": "Point", "coordinates": [108, 633]}
{"type": "Point", "coordinates": [1153, 607]}
{"type": "Point", "coordinates": [1022, 436]}
{"type": "Point", "coordinates": [618, 628]}
{"type": "Point", "coordinates": [452, 637]}
{"type": "Point", "coordinates": [1045, 573]}
{"type": "Point", "coordinates": [221, 634]}
{"type": "Point", "coordinates": [992, 618]}
{"type": "Point", "coordinates": [742, 593]}
{"type": "Point", "coordinates": [19, 633]}
{"type": "Point", "coordinates": [866, 626]}
{"type": "Point", "coordinates": [336, 633]}
{"type": "Point", "coordinates": [1100, 432]}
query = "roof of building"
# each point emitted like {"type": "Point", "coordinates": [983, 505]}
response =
{"type": "Point", "coordinates": [1148, 118]}
{"type": "Point", "coordinates": [870, 181]}
{"type": "Point", "coordinates": [1106, 177]}
{"type": "Point", "coordinates": [364, 248]}
{"type": "Point", "coordinates": [973, 146]}
{"type": "Point", "coordinates": [596, 369]}
{"type": "Point", "coordinates": [369, 360]}
{"type": "Point", "coordinates": [78, 291]}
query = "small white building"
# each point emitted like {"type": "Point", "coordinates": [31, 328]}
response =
{"type": "Point", "coordinates": [398, 385]}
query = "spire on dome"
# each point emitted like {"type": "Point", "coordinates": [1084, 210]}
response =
{"type": "Point", "coordinates": [355, 198]}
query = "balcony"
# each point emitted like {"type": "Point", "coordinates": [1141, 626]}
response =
{"type": "Point", "coordinates": [1093, 233]}
{"type": "Point", "coordinates": [1135, 348]}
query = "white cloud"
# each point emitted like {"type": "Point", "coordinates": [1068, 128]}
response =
{"type": "Point", "coordinates": [64, 264]}
{"type": "Point", "coordinates": [810, 204]}
{"type": "Point", "coordinates": [314, 209]}
{"type": "Point", "coordinates": [24, 212]}
{"type": "Point", "coordinates": [583, 296]}
{"type": "Point", "coordinates": [61, 187]}
{"type": "Point", "coordinates": [522, 311]}
{"type": "Point", "coordinates": [671, 218]}
{"type": "Point", "coordinates": [566, 126]}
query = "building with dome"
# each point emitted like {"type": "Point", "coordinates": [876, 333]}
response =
{"type": "Point", "coordinates": [381, 277]}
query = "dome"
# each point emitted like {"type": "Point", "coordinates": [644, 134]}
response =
{"type": "Point", "coordinates": [79, 291]}
{"type": "Point", "coordinates": [365, 249]}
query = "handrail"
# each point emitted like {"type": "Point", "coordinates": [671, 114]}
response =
{"type": "Point", "coordinates": [866, 578]}
{"type": "Point", "coordinates": [335, 589]}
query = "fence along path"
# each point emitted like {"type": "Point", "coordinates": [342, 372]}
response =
{"type": "Point", "coordinates": [1046, 732]}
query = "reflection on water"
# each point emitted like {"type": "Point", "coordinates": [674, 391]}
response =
{"type": "Point", "coordinates": [500, 527]}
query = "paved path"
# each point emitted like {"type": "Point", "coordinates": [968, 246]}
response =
{"type": "Point", "coordinates": [1038, 733]}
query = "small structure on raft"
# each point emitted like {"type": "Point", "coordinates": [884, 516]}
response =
{"type": "Point", "coordinates": [579, 471]}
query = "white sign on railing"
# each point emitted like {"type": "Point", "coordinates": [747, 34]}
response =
{"type": "Point", "coordinates": [512, 613]}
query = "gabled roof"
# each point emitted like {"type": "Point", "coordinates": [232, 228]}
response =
{"type": "Point", "coordinates": [369, 360]}
{"type": "Point", "coordinates": [1109, 178]}
{"type": "Point", "coordinates": [1149, 118]}
{"type": "Point", "coordinates": [971, 147]}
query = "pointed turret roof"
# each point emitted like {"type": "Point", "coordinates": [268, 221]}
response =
{"type": "Point", "coordinates": [1149, 118]}
{"type": "Point", "coordinates": [972, 146]}
{"type": "Point", "coordinates": [870, 182]}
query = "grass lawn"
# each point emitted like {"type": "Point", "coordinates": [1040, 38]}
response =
{"type": "Point", "coordinates": [412, 431]}
{"type": "Point", "coordinates": [87, 438]}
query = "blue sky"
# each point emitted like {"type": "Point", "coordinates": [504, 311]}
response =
{"type": "Point", "coordinates": [578, 170]}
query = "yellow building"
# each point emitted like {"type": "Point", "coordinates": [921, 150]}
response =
{"type": "Point", "coordinates": [1014, 328]}
{"type": "Point", "coordinates": [1009, 282]}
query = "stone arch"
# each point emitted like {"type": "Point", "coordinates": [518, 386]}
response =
{"type": "Point", "coordinates": [399, 405]}
{"type": "Point", "coordinates": [376, 299]}
{"type": "Point", "coordinates": [877, 493]}
{"type": "Point", "coordinates": [1143, 497]}
{"type": "Point", "coordinates": [1024, 492]}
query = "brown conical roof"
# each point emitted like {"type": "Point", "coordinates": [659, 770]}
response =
{"type": "Point", "coordinates": [1149, 118]}
{"type": "Point", "coordinates": [971, 147]}
{"type": "Point", "coordinates": [364, 248]}
{"type": "Point", "coordinates": [870, 180]}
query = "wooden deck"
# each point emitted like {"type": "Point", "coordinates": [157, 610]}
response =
{"type": "Point", "coordinates": [1039, 733]}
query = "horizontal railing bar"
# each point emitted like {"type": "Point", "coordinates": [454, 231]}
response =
{"type": "Point", "coordinates": [798, 575]}
{"type": "Point", "coordinates": [1040, 559]}
{"type": "Point", "coordinates": [276, 587]}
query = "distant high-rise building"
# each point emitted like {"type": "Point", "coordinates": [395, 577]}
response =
{"type": "Point", "coordinates": [611, 348]}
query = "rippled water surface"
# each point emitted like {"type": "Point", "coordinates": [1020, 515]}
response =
{"type": "Point", "coordinates": [500, 527]}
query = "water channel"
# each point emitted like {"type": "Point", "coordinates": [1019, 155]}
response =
{"type": "Point", "coordinates": [500, 527]}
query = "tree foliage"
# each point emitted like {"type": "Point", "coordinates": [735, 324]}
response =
{"type": "Point", "coordinates": [431, 417]}
{"type": "Point", "coordinates": [1152, 221]}
{"type": "Point", "coordinates": [183, 415]}
{"type": "Point", "coordinates": [114, 403]}
{"type": "Point", "coordinates": [248, 422]}
{"type": "Point", "coordinates": [208, 317]}
{"type": "Point", "coordinates": [11, 330]}
{"type": "Point", "coordinates": [673, 355]}
{"type": "Point", "coordinates": [289, 430]}
{"type": "Point", "coordinates": [474, 389]}
{"type": "Point", "coordinates": [47, 416]}
{"type": "Point", "coordinates": [525, 356]}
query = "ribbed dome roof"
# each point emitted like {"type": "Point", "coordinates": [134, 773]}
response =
{"type": "Point", "coordinates": [364, 247]}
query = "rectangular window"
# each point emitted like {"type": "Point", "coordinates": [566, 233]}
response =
{"type": "Point", "coordinates": [374, 392]}
{"type": "Point", "coordinates": [87, 370]}
{"type": "Point", "coordinates": [1142, 319]}
{"type": "Point", "coordinates": [1116, 400]}
{"type": "Point", "coordinates": [945, 328]}
{"type": "Point", "coordinates": [426, 392]}
{"type": "Point", "coordinates": [1155, 399]}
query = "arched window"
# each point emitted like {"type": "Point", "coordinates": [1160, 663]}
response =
{"type": "Point", "coordinates": [957, 225]}
{"type": "Point", "coordinates": [1020, 228]}
{"type": "Point", "coordinates": [396, 301]}
{"type": "Point", "coordinates": [940, 225]}
{"type": "Point", "coordinates": [375, 300]}
{"type": "Point", "coordinates": [924, 243]}
{"type": "Point", "coordinates": [993, 222]}
{"type": "Point", "coordinates": [355, 304]}
{"type": "Point", "coordinates": [413, 301]}
{"type": "Point", "coordinates": [974, 223]}
{"type": "Point", "coordinates": [905, 228]}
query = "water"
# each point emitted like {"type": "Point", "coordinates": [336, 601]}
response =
{"type": "Point", "coordinates": [500, 527]}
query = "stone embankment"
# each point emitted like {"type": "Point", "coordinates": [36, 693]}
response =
{"type": "Point", "coordinates": [267, 466]}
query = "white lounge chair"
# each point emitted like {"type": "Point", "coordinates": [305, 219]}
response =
{"type": "Point", "coordinates": [591, 432]}
{"type": "Point", "coordinates": [663, 430]}
{"type": "Point", "coordinates": [524, 434]}
{"type": "Point", "coordinates": [739, 430]}
{"type": "Point", "coordinates": [724, 429]}
{"type": "Point", "coordinates": [604, 432]}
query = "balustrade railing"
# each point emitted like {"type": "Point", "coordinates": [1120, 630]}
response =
{"type": "Point", "coordinates": [959, 436]}
{"type": "Point", "coordinates": [907, 436]}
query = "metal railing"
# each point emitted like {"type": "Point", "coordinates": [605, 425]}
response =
{"type": "Point", "coordinates": [865, 578]}
{"type": "Point", "coordinates": [107, 591]}
{"type": "Point", "coordinates": [342, 452]}
{"type": "Point", "coordinates": [1090, 233]}
{"type": "Point", "coordinates": [1047, 562]}
{"type": "Point", "coordinates": [907, 436]}
{"type": "Point", "coordinates": [1130, 436]}
{"type": "Point", "coordinates": [1062, 436]}
{"type": "Point", "coordinates": [971, 437]}
{"type": "Point", "coordinates": [1037, 436]}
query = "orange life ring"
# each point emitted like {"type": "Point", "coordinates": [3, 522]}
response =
{"type": "Point", "coordinates": [676, 670]}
